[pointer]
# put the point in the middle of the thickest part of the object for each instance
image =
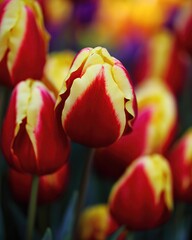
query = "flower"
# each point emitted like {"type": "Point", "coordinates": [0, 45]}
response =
{"type": "Point", "coordinates": [183, 25]}
{"type": "Point", "coordinates": [155, 95]}
{"type": "Point", "coordinates": [56, 69]}
{"type": "Point", "coordinates": [23, 41]}
{"type": "Point", "coordinates": [32, 142]}
{"type": "Point", "coordinates": [51, 186]}
{"type": "Point", "coordinates": [163, 60]}
{"type": "Point", "coordinates": [142, 198]}
{"type": "Point", "coordinates": [180, 157]}
{"type": "Point", "coordinates": [96, 104]}
{"type": "Point", "coordinates": [95, 223]}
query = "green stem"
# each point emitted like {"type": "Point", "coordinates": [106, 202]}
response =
{"type": "Point", "coordinates": [32, 208]}
{"type": "Point", "coordinates": [130, 236]}
{"type": "Point", "coordinates": [82, 192]}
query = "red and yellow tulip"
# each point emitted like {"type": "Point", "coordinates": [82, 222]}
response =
{"type": "Point", "coordinates": [96, 104]}
{"type": "Point", "coordinates": [142, 198]}
{"type": "Point", "coordinates": [154, 95]}
{"type": "Point", "coordinates": [31, 140]}
{"type": "Point", "coordinates": [163, 60]}
{"type": "Point", "coordinates": [23, 41]}
{"type": "Point", "coordinates": [180, 157]}
{"type": "Point", "coordinates": [95, 223]}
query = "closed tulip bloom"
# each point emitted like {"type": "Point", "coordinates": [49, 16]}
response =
{"type": "Point", "coordinates": [142, 197]}
{"type": "Point", "coordinates": [50, 188]}
{"type": "Point", "coordinates": [97, 103]}
{"type": "Point", "coordinates": [163, 60]}
{"type": "Point", "coordinates": [183, 25]}
{"type": "Point", "coordinates": [31, 140]}
{"type": "Point", "coordinates": [156, 96]}
{"type": "Point", "coordinates": [180, 157]}
{"type": "Point", "coordinates": [95, 223]}
{"type": "Point", "coordinates": [23, 41]}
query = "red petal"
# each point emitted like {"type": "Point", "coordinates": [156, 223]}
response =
{"type": "Point", "coordinates": [32, 53]}
{"type": "Point", "coordinates": [52, 143]}
{"type": "Point", "coordinates": [113, 160]}
{"type": "Point", "coordinates": [92, 120]}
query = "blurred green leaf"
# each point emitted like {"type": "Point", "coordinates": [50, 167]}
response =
{"type": "Point", "coordinates": [65, 230]}
{"type": "Point", "coordinates": [1, 225]}
{"type": "Point", "coordinates": [47, 235]}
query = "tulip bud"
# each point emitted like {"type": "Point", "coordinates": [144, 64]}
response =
{"type": "Point", "coordinates": [180, 157]}
{"type": "Point", "coordinates": [31, 140]}
{"type": "Point", "coordinates": [183, 27]}
{"type": "Point", "coordinates": [50, 188]}
{"type": "Point", "coordinates": [56, 69]}
{"type": "Point", "coordinates": [23, 41]}
{"type": "Point", "coordinates": [156, 96]}
{"type": "Point", "coordinates": [96, 224]}
{"type": "Point", "coordinates": [142, 197]}
{"type": "Point", "coordinates": [163, 60]}
{"type": "Point", "coordinates": [97, 103]}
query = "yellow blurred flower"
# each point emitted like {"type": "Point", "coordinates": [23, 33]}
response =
{"type": "Point", "coordinates": [56, 69]}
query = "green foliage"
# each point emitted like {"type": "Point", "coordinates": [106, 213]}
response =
{"type": "Point", "coordinates": [48, 235]}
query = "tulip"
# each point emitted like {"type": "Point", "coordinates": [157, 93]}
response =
{"type": "Point", "coordinates": [142, 198]}
{"type": "Point", "coordinates": [153, 131]}
{"type": "Point", "coordinates": [51, 186]}
{"type": "Point", "coordinates": [155, 95]}
{"type": "Point", "coordinates": [96, 224]}
{"type": "Point", "coordinates": [180, 157]}
{"type": "Point", "coordinates": [31, 140]}
{"type": "Point", "coordinates": [23, 41]}
{"type": "Point", "coordinates": [163, 60]}
{"type": "Point", "coordinates": [183, 27]}
{"type": "Point", "coordinates": [56, 69]}
{"type": "Point", "coordinates": [96, 104]}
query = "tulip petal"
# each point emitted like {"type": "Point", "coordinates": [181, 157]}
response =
{"type": "Point", "coordinates": [25, 39]}
{"type": "Point", "coordinates": [28, 107]}
{"type": "Point", "coordinates": [23, 150]}
{"type": "Point", "coordinates": [80, 59]}
{"type": "Point", "coordinates": [8, 19]}
{"type": "Point", "coordinates": [160, 180]}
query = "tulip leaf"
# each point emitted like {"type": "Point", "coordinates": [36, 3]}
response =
{"type": "Point", "coordinates": [1, 225]}
{"type": "Point", "coordinates": [48, 234]}
{"type": "Point", "coordinates": [17, 217]}
{"type": "Point", "coordinates": [65, 230]}
{"type": "Point", "coordinates": [117, 233]}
